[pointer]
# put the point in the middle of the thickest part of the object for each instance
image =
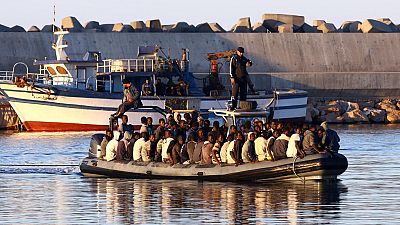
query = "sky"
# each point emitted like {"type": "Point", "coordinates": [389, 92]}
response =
{"type": "Point", "coordinates": [226, 12]}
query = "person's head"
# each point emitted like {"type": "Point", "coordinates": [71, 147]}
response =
{"type": "Point", "coordinates": [220, 138]}
{"type": "Point", "coordinates": [251, 136]}
{"type": "Point", "coordinates": [178, 117]}
{"type": "Point", "coordinates": [260, 124]}
{"type": "Point", "coordinates": [279, 125]}
{"type": "Point", "coordinates": [232, 129]}
{"type": "Point", "coordinates": [231, 137]}
{"type": "Point", "coordinates": [216, 124]}
{"type": "Point", "coordinates": [143, 120]}
{"type": "Point", "coordinates": [275, 134]}
{"type": "Point", "coordinates": [286, 131]}
{"type": "Point", "coordinates": [161, 122]}
{"type": "Point", "coordinates": [324, 125]}
{"type": "Point", "coordinates": [149, 121]}
{"type": "Point", "coordinates": [298, 130]}
{"type": "Point", "coordinates": [124, 119]}
{"type": "Point", "coordinates": [182, 124]}
{"type": "Point", "coordinates": [201, 121]}
{"type": "Point", "coordinates": [180, 140]}
{"type": "Point", "coordinates": [267, 126]}
{"type": "Point", "coordinates": [167, 134]}
{"type": "Point", "coordinates": [144, 135]}
{"type": "Point", "coordinates": [247, 124]}
{"type": "Point", "coordinates": [239, 135]}
{"type": "Point", "coordinates": [320, 132]}
{"type": "Point", "coordinates": [273, 125]}
{"type": "Point", "coordinates": [312, 128]}
{"type": "Point", "coordinates": [257, 129]}
{"type": "Point", "coordinates": [191, 137]}
{"type": "Point", "coordinates": [136, 135]}
{"type": "Point", "coordinates": [187, 117]}
{"type": "Point", "coordinates": [242, 128]}
{"type": "Point", "coordinates": [240, 51]}
{"type": "Point", "coordinates": [207, 123]}
{"type": "Point", "coordinates": [152, 138]}
{"type": "Point", "coordinates": [147, 81]}
{"type": "Point", "coordinates": [200, 134]}
{"type": "Point", "coordinates": [210, 138]}
{"type": "Point", "coordinates": [126, 83]}
{"type": "Point", "coordinates": [109, 134]}
{"type": "Point", "coordinates": [195, 125]}
{"type": "Point", "coordinates": [174, 125]}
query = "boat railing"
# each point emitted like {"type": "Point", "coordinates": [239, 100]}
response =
{"type": "Point", "coordinates": [6, 76]}
{"type": "Point", "coordinates": [126, 65]}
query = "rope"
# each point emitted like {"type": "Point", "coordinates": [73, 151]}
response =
{"type": "Point", "coordinates": [294, 170]}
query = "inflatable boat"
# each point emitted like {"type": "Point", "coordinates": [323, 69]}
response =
{"type": "Point", "coordinates": [324, 166]}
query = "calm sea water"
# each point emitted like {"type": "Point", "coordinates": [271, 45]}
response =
{"type": "Point", "coordinates": [367, 193]}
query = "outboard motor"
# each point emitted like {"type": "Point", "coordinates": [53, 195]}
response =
{"type": "Point", "coordinates": [95, 145]}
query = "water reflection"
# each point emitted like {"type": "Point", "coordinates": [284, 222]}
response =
{"type": "Point", "coordinates": [145, 201]}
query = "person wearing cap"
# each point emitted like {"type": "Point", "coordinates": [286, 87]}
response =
{"type": "Point", "coordinates": [131, 99]}
{"type": "Point", "coordinates": [330, 138]}
{"type": "Point", "coordinates": [239, 76]}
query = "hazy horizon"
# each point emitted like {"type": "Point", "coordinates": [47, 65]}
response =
{"type": "Point", "coordinates": [40, 12]}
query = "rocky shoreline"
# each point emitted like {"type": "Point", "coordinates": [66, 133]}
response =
{"type": "Point", "coordinates": [348, 112]}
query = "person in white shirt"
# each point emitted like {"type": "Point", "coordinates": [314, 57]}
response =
{"type": "Point", "coordinates": [143, 128]}
{"type": "Point", "coordinates": [167, 144]}
{"type": "Point", "coordinates": [140, 144]}
{"type": "Point", "coordinates": [261, 147]}
{"type": "Point", "coordinates": [294, 145]}
{"type": "Point", "coordinates": [224, 149]}
{"type": "Point", "coordinates": [111, 149]}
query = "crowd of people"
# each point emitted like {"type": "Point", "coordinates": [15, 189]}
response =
{"type": "Point", "coordinates": [158, 88]}
{"type": "Point", "coordinates": [192, 139]}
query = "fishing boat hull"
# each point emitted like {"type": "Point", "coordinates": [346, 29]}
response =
{"type": "Point", "coordinates": [83, 110]}
{"type": "Point", "coordinates": [317, 166]}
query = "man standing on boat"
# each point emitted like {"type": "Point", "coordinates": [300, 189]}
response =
{"type": "Point", "coordinates": [131, 99]}
{"type": "Point", "coordinates": [240, 77]}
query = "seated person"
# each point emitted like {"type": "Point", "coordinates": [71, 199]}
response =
{"type": "Point", "coordinates": [294, 145]}
{"type": "Point", "coordinates": [139, 147]}
{"type": "Point", "coordinates": [248, 150]}
{"type": "Point", "coordinates": [199, 146]}
{"type": "Point", "coordinates": [167, 144]}
{"type": "Point", "coordinates": [122, 149]}
{"type": "Point", "coordinates": [270, 144]}
{"type": "Point", "coordinates": [216, 157]}
{"type": "Point", "coordinates": [124, 126]}
{"type": "Point", "coordinates": [174, 154]}
{"type": "Point", "coordinates": [150, 127]}
{"type": "Point", "coordinates": [151, 146]}
{"type": "Point", "coordinates": [309, 141]}
{"type": "Point", "coordinates": [332, 138]}
{"type": "Point", "coordinates": [190, 146]}
{"type": "Point", "coordinates": [111, 149]}
{"type": "Point", "coordinates": [260, 145]}
{"type": "Point", "coordinates": [143, 128]}
{"type": "Point", "coordinates": [224, 149]}
{"type": "Point", "coordinates": [281, 144]}
{"type": "Point", "coordinates": [109, 136]}
{"type": "Point", "coordinates": [235, 153]}
{"type": "Point", "coordinates": [206, 150]}
{"type": "Point", "coordinates": [147, 88]}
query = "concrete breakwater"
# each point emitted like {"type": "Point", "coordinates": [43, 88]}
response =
{"type": "Point", "coordinates": [340, 111]}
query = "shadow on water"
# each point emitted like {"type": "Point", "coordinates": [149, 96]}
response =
{"type": "Point", "coordinates": [145, 201]}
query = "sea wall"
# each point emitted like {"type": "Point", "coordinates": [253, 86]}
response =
{"type": "Point", "coordinates": [337, 65]}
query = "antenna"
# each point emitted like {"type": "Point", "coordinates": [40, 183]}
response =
{"type": "Point", "coordinates": [54, 23]}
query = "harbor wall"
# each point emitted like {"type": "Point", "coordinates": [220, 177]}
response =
{"type": "Point", "coordinates": [348, 65]}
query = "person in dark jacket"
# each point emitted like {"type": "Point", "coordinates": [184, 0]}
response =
{"type": "Point", "coordinates": [239, 76]}
{"type": "Point", "coordinates": [131, 99]}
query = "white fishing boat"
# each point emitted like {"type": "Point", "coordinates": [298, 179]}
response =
{"type": "Point", "coordinates": [80, 95]}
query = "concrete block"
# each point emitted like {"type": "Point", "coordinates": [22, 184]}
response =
{"type": "Point", "coordinates": [154, 26]}
{"type": "Point", "coordinates": [217, 28]}
{"type": "Point", "coordinates": [92, 25]}
{"type": "Point", "coordinates": [33, 29]}
{"type": "Point", "coordinates": [317, 23]}
{"type": "Point", "coordinates": [327, 28]}
{"type": "Point", "coordinates": [285, 28]}
{"type": "Point", "coordinates": [17, 29]}
{"type": "Point", "coordinates": [4, 28]}
{"type": "Point", "coordinates": [243, 26]}
{"type": "Point", "coordinates": [167, 27]}
{"type": "Point", "coordinates": [259, 28]}
{"type": "Point", "coordinates": [139, 26]}
{"type": "Point", "coordinates": [389, 22]}
{"type": "Point", "coordinates": [374, 26]}
{"type": "Point", "coordinates": [71, 24]}
{"type": "Point", "coordinates": [49, 28]}
{"type": "Point", "coordinates": [355, 27]}
{"type": "Point", "coordinates": [272, 25]}
{"type": "Point", "coordinates": [180, 27]}
{"type": "Point", "coordinates": [345, 27]}
{"type": "Point", "coordinates": [283, 18]}
{"type": "Point", "coordinates": [192, 29]}
{"type": "Point", "coordinates": [306, 28]}
{"type": "Point", "coordinates": [204, 28]}
{"type": "Point", "coordinates": [106, 27]}
{"type": "Point", "coordinates": [120, 27]}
